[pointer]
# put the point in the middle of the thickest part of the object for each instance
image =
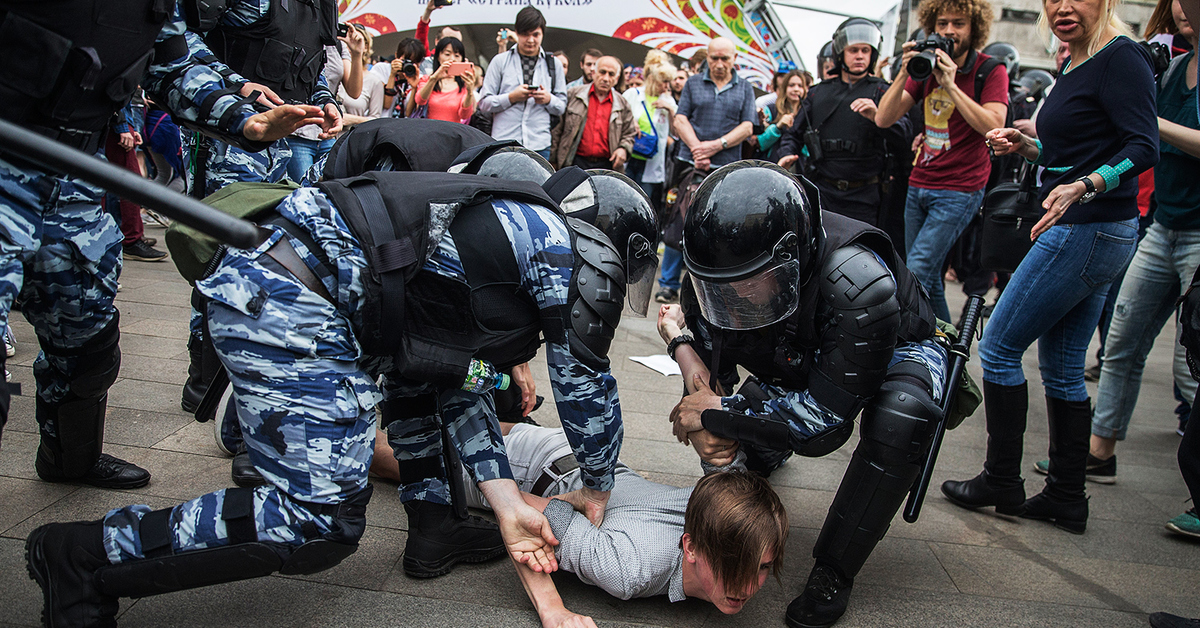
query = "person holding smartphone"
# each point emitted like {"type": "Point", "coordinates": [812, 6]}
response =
{"type": "Point", "coordinates": [449, 92]}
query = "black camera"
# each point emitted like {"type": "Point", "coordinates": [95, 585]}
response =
{"type": "Point", "coordinates": [343, 30]}
{"type": "Point", "coordinates": [1160, 55]}
{"type": "Point", "coordinates": [408, 69]}
{"type": "Point", "coordinates": [921, 66]}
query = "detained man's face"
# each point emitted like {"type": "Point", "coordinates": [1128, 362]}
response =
{"type": "Point", "coordinates": [713, 590]}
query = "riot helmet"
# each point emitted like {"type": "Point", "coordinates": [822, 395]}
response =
{"type": "Point", "coordinates": [826, 54]}
{"type": "Point", "coordinates": [1034, 83]}
{"type": "Point", "coordinates": [614, 204]}
{"type": "Point", "coordinates": [1007, 54]}
{"type": "Point", "coordinates": [749, 243]}
{"type": "Point", "coordinates": [506, 160]}
{"type": "Point", "coordinates": [856, 30]}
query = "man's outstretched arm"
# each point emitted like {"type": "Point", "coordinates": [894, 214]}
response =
{"type": "Point", "coordinates": [542, 591]}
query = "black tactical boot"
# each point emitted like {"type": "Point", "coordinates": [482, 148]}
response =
{"type": "Point", "coordinates": [823, 601]}
{"type": "Point", "coordinates": [63, 558]}
{"type": "Point", "coordinates": [73, 454]}
{"type": "Point", "coordinates": [243, 472]}
{"type": "Point", "coordinates": [438, 539]}
{"type": "Point", "coordinates": [1000, 484]}
{"type": "Point", "coordinates": [1064, 501]}
{"type": "Point", "coordinates": [195, 386]}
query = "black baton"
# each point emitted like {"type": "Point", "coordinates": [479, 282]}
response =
{"type": "Point", "coordinates": [26, 145]}
{"type": "Point", "coordinates": [960, 352]}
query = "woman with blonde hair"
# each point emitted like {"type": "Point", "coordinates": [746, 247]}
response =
{"type": "Point", "coordinates": [1096, 132]}
{"type": "Point", "coordinates": [653, 111]}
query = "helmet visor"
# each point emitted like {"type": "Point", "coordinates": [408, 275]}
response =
{"type": "Point", "coordinates": [641, 271]}
{"type": "Point", "coordinates": [857, 33]}
{"type": "Point", "coordinates": [756, 301]}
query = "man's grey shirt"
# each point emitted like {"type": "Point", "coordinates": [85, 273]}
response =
{"type": "Point", "coordinates": [713, 112]}
{"type": "Point", "coordinates": [527, 122]}
{"type": "Point", "coordinates": [635, 552]}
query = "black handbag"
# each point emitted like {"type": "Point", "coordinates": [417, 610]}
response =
{"type": "Point", "coordinates": [1009, 212]}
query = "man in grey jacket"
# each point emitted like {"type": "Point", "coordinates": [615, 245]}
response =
{"type": "Point", "coordinates": [525, 87]}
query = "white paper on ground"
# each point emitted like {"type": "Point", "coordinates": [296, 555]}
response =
{"type": "Point", "coordinates": [661, 363]}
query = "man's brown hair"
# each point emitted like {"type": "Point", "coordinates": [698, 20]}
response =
{"type": "Point", "coordinates": [979, 11]}
{"type": "Point", "coordinates": [733, 519]}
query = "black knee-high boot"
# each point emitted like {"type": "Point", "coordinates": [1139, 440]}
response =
{"type": "Point", "coordinates": [1064, 500]}
{"type": "Point", "coordinates": [1000, 483]}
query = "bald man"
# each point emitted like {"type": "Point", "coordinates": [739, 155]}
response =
{"type": "Point", "coordinates": [597, 129]}
{"type": "Point", "coordinates": [716, 111]}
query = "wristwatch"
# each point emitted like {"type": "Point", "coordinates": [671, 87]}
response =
{"type": "Point", "coordinates": [681, 339]}
{"type": "Point", "coordinates": [1090, 187]}
{"type": "Point", "coordinates": [724, 142]}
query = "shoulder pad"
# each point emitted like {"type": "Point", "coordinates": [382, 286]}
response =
{"type": "Point", "coordinates": [853, 277]}
{"type": "Point", "coordinates": [203, 15]}
{"type": "Point", "coordinates": [597, 294]}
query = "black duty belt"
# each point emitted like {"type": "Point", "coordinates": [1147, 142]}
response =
{"type": "Point", "coordinates": [556, 470]}
{"type": "Point", "coordinates": [86, 141]}
{"type": "Point", "coordinates": [843, 184]}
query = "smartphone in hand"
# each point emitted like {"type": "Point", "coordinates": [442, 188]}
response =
{"type": "Point", "coordinates": [458, 69]}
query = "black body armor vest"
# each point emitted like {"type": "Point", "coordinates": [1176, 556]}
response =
{"type": "Point", "coordinates": [285, 51]}
{"type": "Point", "coordinates": [67, 65]}
{"type": "Point", "coordinates": [792, 342]}
{"type": "Point", "coordinates": [430, 324]}
{"type": "Point", "coordinates": [412, 143]}
{"type": "Point", "coordinates": [845, 134]}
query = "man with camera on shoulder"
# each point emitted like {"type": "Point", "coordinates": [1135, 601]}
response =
{"type": "Point", "coordinates": [965, 95]}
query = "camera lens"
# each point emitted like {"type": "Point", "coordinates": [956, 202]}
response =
{"type": "Point", "coordinates": [921, 66]}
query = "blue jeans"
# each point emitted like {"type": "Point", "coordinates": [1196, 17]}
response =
{"type": "Point", "coordinates": [672, 268]}
{"type": "Point", "coordinates": [933, 220]}
{"type": "Point", "coordinates": [545, 153]}
{"type": "Point", "coordinates": [1055, 297]}
{"type": "Point", "coordinates": [1163, 266]}
{"type": "Point", "coordinates": [304, 153]}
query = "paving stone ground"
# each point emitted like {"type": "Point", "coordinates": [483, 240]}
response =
{"type": "Point", "coordinates": [951, 568]}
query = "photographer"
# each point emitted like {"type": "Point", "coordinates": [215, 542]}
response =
{"type": "Point", "coordinates": [525, 88]}
{"type": "Point", "coordinates": [404, 76]}
{"type": "Point", "coordinates": [963, 100]}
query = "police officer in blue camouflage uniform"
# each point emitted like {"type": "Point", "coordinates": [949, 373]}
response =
{"type": "Point", "coordinates": [278, 46]}
{"type": "Point", "coordinates": [821, 311]}
{"type": "Point", "coordinates": [59, 252]}
{"type": "Point", "coordinates": [306, 322]}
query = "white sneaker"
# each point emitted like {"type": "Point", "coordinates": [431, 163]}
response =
{"type": "Point", "coordinates": [10, 343]}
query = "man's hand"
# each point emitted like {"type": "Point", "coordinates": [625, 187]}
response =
{"type": "Point", "coordinates": [702, 164]}
{"type": "Point", "coordinates": [331, 122]}
{"type": "Point", "coordinates": [267, 96]}
{"type": "Point", "coordinates": [704, 150]}
{"type": "Point", "coordinates": [522, 377]}
{"type": "Point", "coordinates": [526, 531]}
{"type": "Point", "coordinates": [521, 93]}
{"type": "Point", "coordinates": [562, 618]}
{"type": "Point", "coordinates": [686, 415]}
{"type": "Point", "coordinates": [714, 450]}
{"type": "Point", "coordinates": [864, 107]}
{"type": "Point", "coordinates": [129, 140]}
{"type": "Point", "coordinates": [540, 96]}
{"type": "Point", "coordinates": [280, 122]}
{"type": "Point", "coordinates": [945, 70]}
{"type": "Point", "coordinates": [670, 322]}
{"type": "Point", "coordinates": [618, 158]}
{"type": "Point", "coordinates": [917, 142]}
{"type": "Point", "coordinates": [787, 161]}
{"type": "Point", "coordinates": [587, 502]}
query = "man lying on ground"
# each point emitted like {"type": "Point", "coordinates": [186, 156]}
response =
{"type": "Point", "coordinates": [716, 541]}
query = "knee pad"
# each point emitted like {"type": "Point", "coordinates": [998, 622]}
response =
{"type": "Point", "coordinates": [899, 421]}
{"type": "Point", "coordinates": [98, 361]}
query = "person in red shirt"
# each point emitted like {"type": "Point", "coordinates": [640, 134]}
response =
{"type": "Point", "coordinates": [947, 183]}
{"type": "Point", "coordinates": [597, 130]}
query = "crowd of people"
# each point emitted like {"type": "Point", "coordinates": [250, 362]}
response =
{"type": "Point", "coordinates": [436, 224]}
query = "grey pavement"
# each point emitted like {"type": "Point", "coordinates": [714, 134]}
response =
{"type": "Point", "coordinates": [951, 568]}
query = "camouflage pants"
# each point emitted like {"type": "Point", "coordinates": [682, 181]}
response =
{"type": "Point", "coordinates": [228, 164]}
{"type": "Point", "coordinates": [304, 397]}
{"type": "Point", "coordinates": [471, 425]}
{"type": "Point", "coordinates": [61, 254]}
